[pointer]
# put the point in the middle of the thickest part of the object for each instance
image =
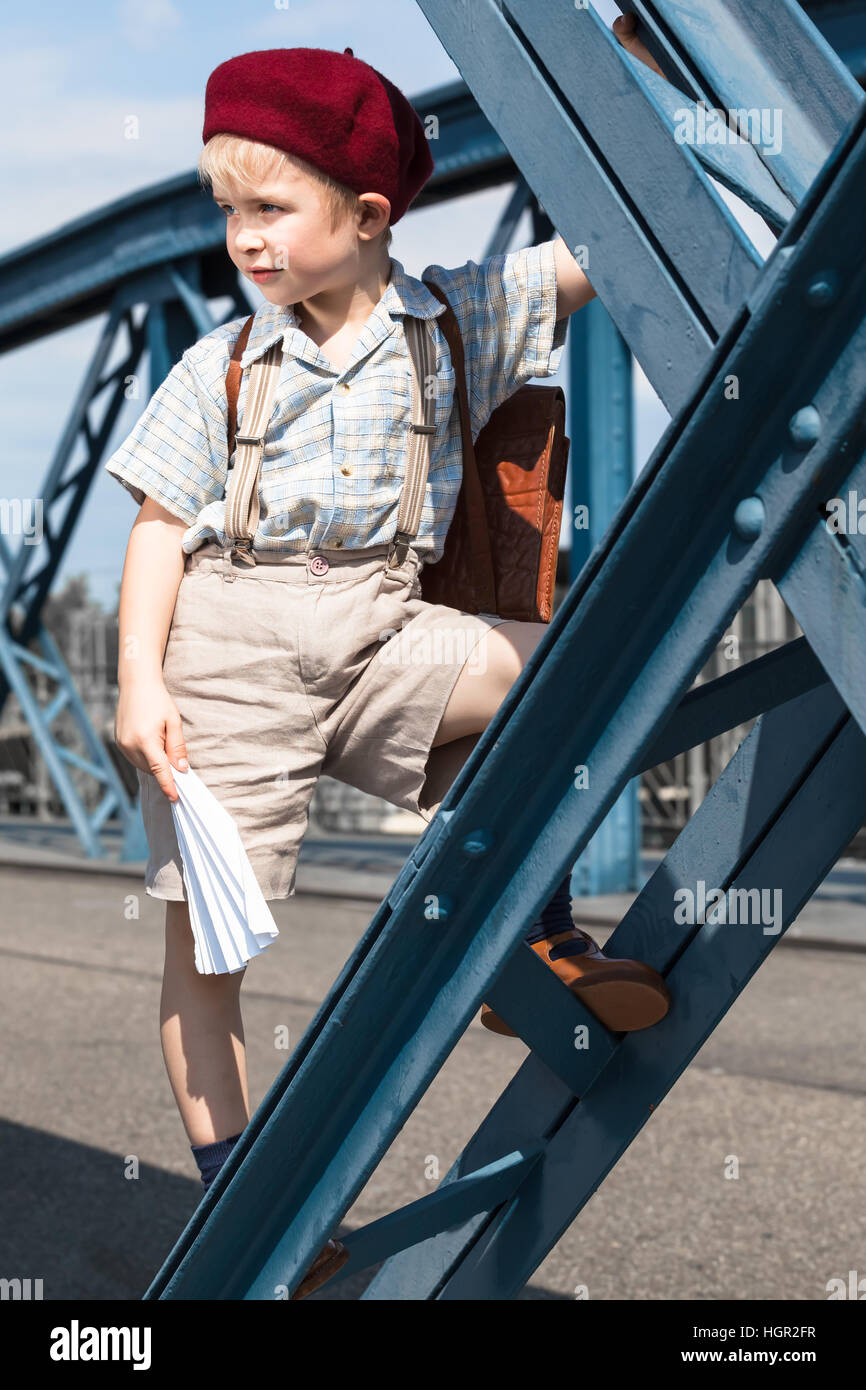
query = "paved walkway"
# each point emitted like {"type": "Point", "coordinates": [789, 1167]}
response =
{"type": "Point", "coordinates": [84, 1098]}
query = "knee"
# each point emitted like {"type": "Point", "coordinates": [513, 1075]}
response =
{"type": "Point", "coordinates": [180, 952]}
{"type": "Point", "coordinates": [512, 644]}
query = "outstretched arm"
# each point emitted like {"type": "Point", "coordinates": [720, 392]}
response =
{"type": "Point", "coordinates": [573, 290]}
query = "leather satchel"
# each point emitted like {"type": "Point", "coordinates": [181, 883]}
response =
{"type": "Point", "coordinates": [502, 544]}
{"type": "Point", "coordinates": [503, 541]}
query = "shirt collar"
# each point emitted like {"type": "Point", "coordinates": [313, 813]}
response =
{"type": "Point", "coordinates": [406, 295]}
{"type": "Point", "coordinates": [403, 295]}
{"type": "Point", "coordinates": [271, 323]}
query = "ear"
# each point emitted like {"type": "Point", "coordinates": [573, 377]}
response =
{"type": "Point", "coordinates": [375, 216]}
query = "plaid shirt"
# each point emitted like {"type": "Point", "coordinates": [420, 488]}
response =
{"type": "Point", "coordinates": [333, 460]}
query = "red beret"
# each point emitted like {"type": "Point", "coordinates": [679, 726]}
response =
{"type": "Point", "coordinates": [330, 109]}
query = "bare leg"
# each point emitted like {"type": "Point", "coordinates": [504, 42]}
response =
{"type": "Point", "coordinates": [443, 765]}
{"type": "Point", "coordinates": [478, 692]}
{"type": "Point", "coordinates": [202, 1038]}
{"type": "Point", "coordinates": [483, 683]}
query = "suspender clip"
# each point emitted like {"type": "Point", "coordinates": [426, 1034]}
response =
{"type": "Point", "coordinates": [242, 548]}
{"type": "Point", "coordinates": [399, 545]}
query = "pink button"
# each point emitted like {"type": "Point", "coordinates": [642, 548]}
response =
{"type": "Point", "coordinates": [318, 565]}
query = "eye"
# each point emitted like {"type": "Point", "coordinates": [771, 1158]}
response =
{"type": "Point", "coordinates": [228, 209]}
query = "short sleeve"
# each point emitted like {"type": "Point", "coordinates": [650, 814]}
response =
{"type": "Point", "coordinates": [177, 452]}
{"type": "Point", "coordinates": [506, 308]}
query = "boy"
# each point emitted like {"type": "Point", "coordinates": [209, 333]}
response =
{"type": "Point", "coordinates": [268, 667]}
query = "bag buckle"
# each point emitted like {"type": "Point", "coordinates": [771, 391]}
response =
{"type": "Point", "coordinates": [249, 439]}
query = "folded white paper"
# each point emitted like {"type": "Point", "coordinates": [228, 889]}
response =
{"type": "Point", "coordinates": [230, 919]}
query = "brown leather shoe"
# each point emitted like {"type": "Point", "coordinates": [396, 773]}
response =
{"type": "Point", "coordinates": [329, 1259]}
{"type": "Point", "coordinates": [624, 995]}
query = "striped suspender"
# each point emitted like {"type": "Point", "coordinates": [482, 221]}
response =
{"type": "Point", "coordinates": [423, 362]}
{"type": "Point", "coordinates": [242, 490]}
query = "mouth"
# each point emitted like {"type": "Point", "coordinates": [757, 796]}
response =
{"type": "Point", "coordinates": [262, 270]}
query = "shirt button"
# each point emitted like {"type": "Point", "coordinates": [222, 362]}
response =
{"type": "Point", "coordinates": [345, 470]}
{"type": "Point", "coordinates": [343, 386]}
{"type": "Point", "coordinates": [338, 542]}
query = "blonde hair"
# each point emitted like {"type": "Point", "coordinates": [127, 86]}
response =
{"type": "Point", "coordinates": [248, 163]}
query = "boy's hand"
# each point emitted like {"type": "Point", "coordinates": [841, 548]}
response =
{"type": "Point", "coordinates": [147, 730]}
{"type": "Point", "coordinates": [624, 28]}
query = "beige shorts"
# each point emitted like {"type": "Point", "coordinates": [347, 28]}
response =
{"type": "Point", "coordinates": [281, 672]}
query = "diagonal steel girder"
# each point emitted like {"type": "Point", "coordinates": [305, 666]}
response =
{"type": "Point", "coordinates": [800, 776]}
{"type": "Point", "coordinates": [744, 56]}
{"type": "Point", "coordinates": [663, 252]}
{"type": "Point", "coordinates": [674, 567]}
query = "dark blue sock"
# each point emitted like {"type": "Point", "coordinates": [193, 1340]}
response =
{"type": "Point", "coordinates": [211, 1157]}
{"type": "Point", "coordinates": [556, 916]}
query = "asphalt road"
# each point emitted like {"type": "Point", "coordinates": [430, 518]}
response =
{"type": "Point", "coordinates": [780, 1085]}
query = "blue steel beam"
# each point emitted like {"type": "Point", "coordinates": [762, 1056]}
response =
{"type": "Point", "coordinates": [599, 477]}
{"type": "Point", "coordinates": [575, 56]}
{"type": "Point", "coordinates": [447, 1206]}
{"type": "Point", "coordinates": [605, 180]}
{"type": "Point", "coordinates": [730, 700]}
{"type": "Point", "coordinates": [30, 593]}
{"type": "Point", "coordinates": [669, 577]}
{"type": "Point", "coordinates": [824, 586]}
{"type": "Point", "coordinates": [735, 164]}
{"type": "Point", "coordinates": [660, 317]}
{"type": "Point", "coordinates": [763, 57]}
{"type": "Point", "coordinates": [800, 775]}
{"type": "Point", "coordinates": [15, 660]}
{"type": "Point", "coordinates": [843, 24]}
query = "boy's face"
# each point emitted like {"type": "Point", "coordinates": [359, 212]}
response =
{"type": "Point", "coordinates": [284, 224]}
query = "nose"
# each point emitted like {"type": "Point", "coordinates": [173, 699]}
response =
{"type": "Point", "coordinates": [248, 240]}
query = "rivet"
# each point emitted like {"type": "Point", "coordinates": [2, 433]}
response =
{"type": "Point", "coordinates": [823, 289]}
{"type": "Point", "coordinates": [749, 518]}
{"type": "Point", "coordinates": [804, 427]}
{"type": "Point", "coordinates": [477, 843]}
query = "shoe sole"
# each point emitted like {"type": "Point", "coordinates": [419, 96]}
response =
{"type": "Point", "coordinates": [622, 1006]}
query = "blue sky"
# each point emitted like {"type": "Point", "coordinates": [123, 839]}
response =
{"type": "Point", "coordinates": [71, 77]}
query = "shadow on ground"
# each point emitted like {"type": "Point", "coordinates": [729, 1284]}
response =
{"type": "Point", "coordinates": [70, 1217]}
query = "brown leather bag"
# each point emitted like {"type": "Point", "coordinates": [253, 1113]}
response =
{"type": "Point", "coordinates": [502, 545]}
